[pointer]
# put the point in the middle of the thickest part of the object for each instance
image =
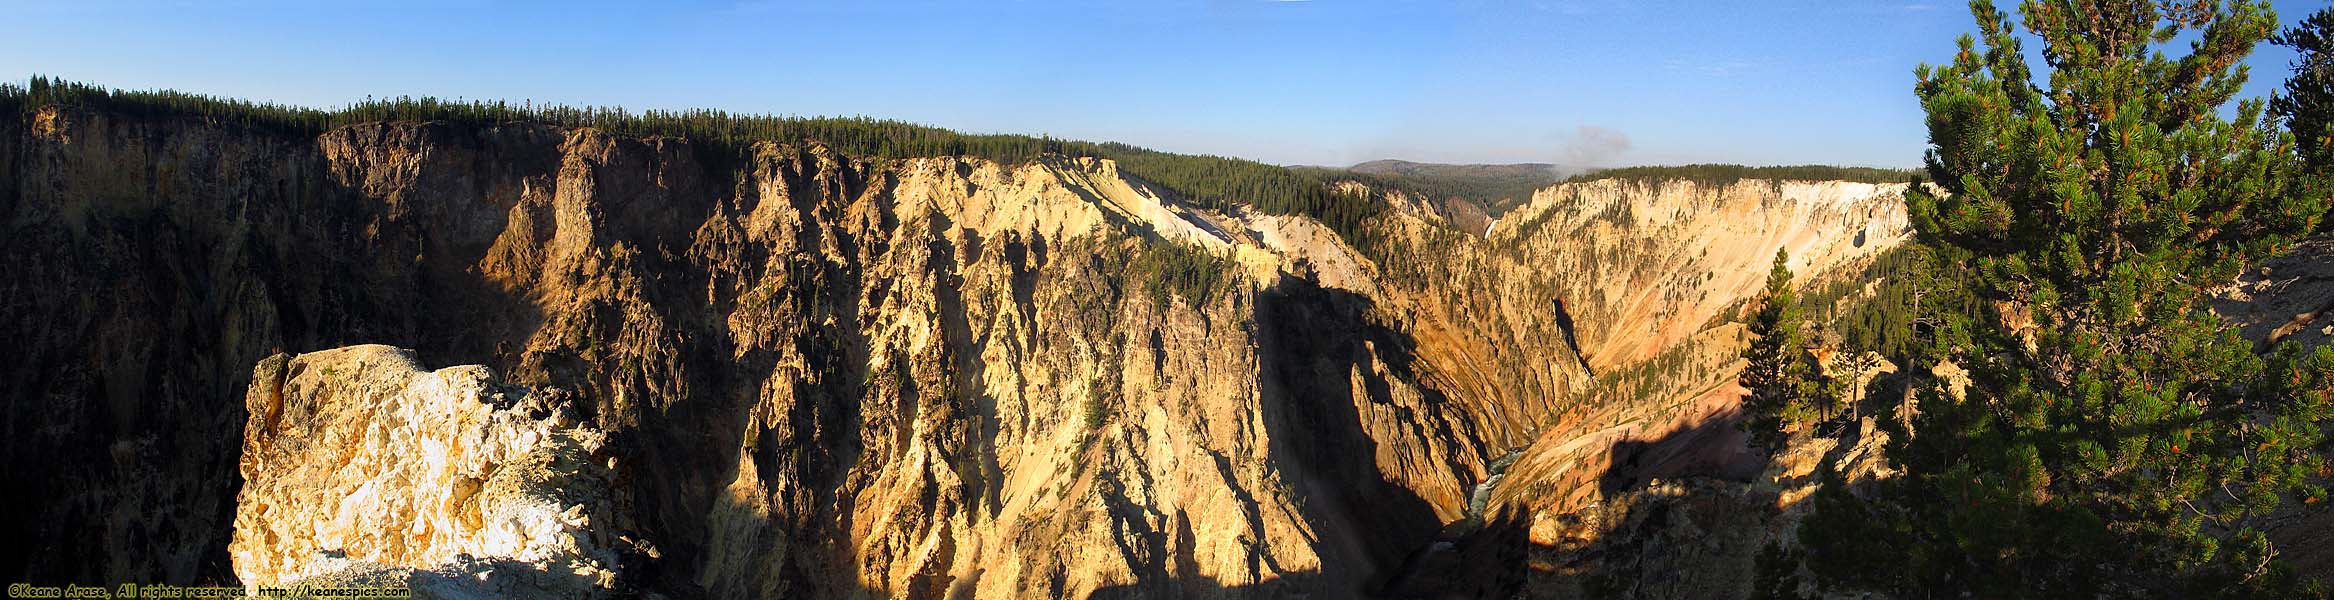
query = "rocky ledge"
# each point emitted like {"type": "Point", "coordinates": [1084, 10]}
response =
{"type": "Point", "coordinates": [363, 468]}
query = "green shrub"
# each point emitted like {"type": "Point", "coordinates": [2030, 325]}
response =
{"type": "Point", "coordinates": [1173, 269]}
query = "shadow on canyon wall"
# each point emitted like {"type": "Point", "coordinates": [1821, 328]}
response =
{"type": "Point", "coordinates": [1314, 342]}
{"type": "Point", "coordinates": [140, 299]}
{"type": "Point", "coordinates": [1713, 447]}
{"type": "Point", "coordinates": [1500, 557]}
{"type": "Point", "coordinates": [1328, 368]}
{"type": "Point", "coordinates": [139, 304]}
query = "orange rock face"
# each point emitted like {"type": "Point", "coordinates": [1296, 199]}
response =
{"type": "Point", "coordinates": [816, 375]}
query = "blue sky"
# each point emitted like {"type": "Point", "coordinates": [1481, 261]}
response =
{"type": "Point", "coordinates": [1292, 82]}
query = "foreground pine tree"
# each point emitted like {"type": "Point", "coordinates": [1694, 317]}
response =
{"type": "Point", "coordinates": [2116, 438]}
{"type": "Point", "coordinates": [1779, 373]}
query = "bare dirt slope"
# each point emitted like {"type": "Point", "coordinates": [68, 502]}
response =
{"type": "Point", "coordinates": [2291, 298]}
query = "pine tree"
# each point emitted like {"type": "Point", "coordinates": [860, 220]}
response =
{"type": "Point", "coordinates": [2308, 103]}
{"type": "Point", "coordinates": [2116, 438]}
{"type": "Point", "coordinates": [1781, 376]}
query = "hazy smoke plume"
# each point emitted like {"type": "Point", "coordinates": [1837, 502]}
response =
{"type": "Point", "coordinates": [1590, 145]}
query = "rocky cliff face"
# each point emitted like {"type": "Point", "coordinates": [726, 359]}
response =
{"type": "Point", "coordinates": [817, 375]}
{"type": "Point", "coordinates": [1642, 266]}
{"type": "Point", "coordinates": [1645, 279]}
{"type": "Point", "coordinates": [143, 264]}
{"type": "Point", "coordinates": [941, 362]}
{"type": "Point", "coordinates": [361, 466]}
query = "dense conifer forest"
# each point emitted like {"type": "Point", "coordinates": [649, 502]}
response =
{"type": "Point", "coordinates": [1721, 174]}
{"type": "Point", "coordinates": [1496, 193]}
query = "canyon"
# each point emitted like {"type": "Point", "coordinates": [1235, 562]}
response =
{"type": "Point", "coordinates": [794, 372]}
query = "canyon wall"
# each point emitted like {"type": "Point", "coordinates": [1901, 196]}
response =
{"type": "Point", "coordinates": [1647, 278]}
{"type": "Point", "coordinates": [825, 375]}
{"type": "Point", "coordinates": [1644, 265]}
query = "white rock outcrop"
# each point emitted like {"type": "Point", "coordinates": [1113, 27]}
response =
{"type": "Point", "coordinates": [361, 467]}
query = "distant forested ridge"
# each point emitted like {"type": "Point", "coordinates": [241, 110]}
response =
{"type": "Point", "coordinates": [1495, 188]}
{"type": "Point", "coordinates": [1724, 174]}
